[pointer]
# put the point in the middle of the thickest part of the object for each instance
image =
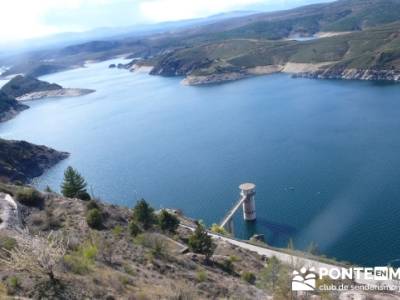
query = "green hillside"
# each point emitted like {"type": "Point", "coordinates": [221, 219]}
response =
{"type": "Point", "coordinates": [376, 48]}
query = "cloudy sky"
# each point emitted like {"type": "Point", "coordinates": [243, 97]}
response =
{"type": "Point", "coordinates": [22, 19]}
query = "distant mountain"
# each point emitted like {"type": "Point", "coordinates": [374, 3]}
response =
{"type": "Point", "coordinates": [361, 40]}
{"type": "Point", "coordinates": [109, 33]}
{"type": "Point", "coordinates": [342, 15]}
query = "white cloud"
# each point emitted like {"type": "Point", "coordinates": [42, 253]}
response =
{"type": "Point", "coordinates": [21, 19]}
{"type": "Point", "coordinates": [168, 10]}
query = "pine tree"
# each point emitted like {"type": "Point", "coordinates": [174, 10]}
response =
{"type": "Point", "coordinates": [74, 185]}
{"type": "Point", "coordinates": [143, 214]}
{"type": "Point", "coordinates": [201, 242]}
{"type": "Point", "coordinates": [167, 221]}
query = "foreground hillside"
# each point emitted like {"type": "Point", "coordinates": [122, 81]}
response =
{"type": "Point", "coordinates": [53, 247]}
{"type": "Point", "coordinates": [110, 260]}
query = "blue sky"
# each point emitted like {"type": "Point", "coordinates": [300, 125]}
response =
{"type": "Point", "coordinates": [22, 19]}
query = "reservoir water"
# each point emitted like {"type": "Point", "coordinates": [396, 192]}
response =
{"type": "Point", "coordinates": [325, 155]}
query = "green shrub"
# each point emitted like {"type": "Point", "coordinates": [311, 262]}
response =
{"type": "Point", "coordinates": [117, 230]}
{"type": "Point", "coordinates": [80, 261]}
{"type": "Point", "coordinates": [124, 280]}
{"type": "Point", "coordinates": [7, 243]}
{"type": "Point", "coordinates": [167, 221]}
{"type": "Point", "coordinates": [12, 285]}
{"type": "Point", "coordinates": [158, 247]}
{"type": "Point", "coordinates": [29, 197]}
{"type": "Point", "coordinates": [13, 282]}
{"type": "Point", "coordinates": [234, 258]}
{"type": "Point", "coordinates": [133, 229]}
{"type": "Point", "coordinates": [215, 228]}
{"type": "Point", "coordinates": [249, 277]}
{"type": "Point", "coordinates": [201, 276]}
{"type": "Point", "coordinates": [129, 270]}
{"type": "Point", "coordinates": [83, 196]}
{"type": "Point", "coordinates": [228, 266]}
{"type": "Point", "coordinates": [94, 218]}
{"type": "Point", "coordinates": [154, 242]}
{"type": "Point", "coordinates": [92, 204]}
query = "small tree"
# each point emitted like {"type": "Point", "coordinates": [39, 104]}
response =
{"type": "Point", "coordinates": [275, 278]}
{"type": "Point", "coordinates": [270, 274]}
{"type": "Point", "coordinates": [249, 277]}
{"type": "Point", "coordinates": [201, 242]}
{"type": "Point", "coordinates": [167, 221]}
{"type": "Point", "coordinates": [143, 214]}
{"type": "Point", "coordinates": [74, 185]}
{"type": "Point", "coordinates": [133, 229]}
{"type": "Point", "coordinates": [94, 218]}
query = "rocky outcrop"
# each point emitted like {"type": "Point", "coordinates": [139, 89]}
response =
{"type": "Point", "coordinates": [9, 107]}
{"type": "Point", "coordinates": [22, 161]}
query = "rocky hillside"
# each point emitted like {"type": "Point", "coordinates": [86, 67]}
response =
{"type": "Point", "coordinates": [52, 247]}
{"type": "Point", "coordinates": [9, 107]}
{"type": "Point", "coordinates": [111, 260]}
{"type": "Point", "coordinates": [22, 161]}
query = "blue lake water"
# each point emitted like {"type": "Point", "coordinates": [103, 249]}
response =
{"type": "Point", "coordinates": [325, 155]}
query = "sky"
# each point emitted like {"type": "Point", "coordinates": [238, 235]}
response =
{"type": "Point", "coordinates": [24, 19]}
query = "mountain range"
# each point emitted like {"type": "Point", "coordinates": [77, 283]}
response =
{"type": "Point", "coordinates": [353, 39]}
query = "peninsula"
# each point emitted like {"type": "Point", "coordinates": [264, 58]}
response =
{"type": "Point", "coordinates": [24, 88]}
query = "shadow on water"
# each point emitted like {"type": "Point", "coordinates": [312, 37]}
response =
{"type": "Point", "coordinates": [274, 231]}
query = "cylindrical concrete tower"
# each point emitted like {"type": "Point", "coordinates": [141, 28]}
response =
{"type": "Point", "coordinates": [249, 206]}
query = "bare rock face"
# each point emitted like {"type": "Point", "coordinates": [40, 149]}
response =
{"type": "Point", "coordinates": [22, 161]}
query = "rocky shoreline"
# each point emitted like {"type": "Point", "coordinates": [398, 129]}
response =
{"type": "Point", "coordinates": [314, 71]}
{"type": "Point", "coordinates": [353, 74]}
{"type": "Point", "coordinates": [12, 113]}
{"type": "Point", "coordinates": [22, 161]}
{"type": "Point", "coordinates": [64, 92]}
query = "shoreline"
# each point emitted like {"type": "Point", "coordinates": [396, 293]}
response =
{"type": "Point", "coordinates": [64, 92]}
{"type": "Point", "coordinates": [297, 70]}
